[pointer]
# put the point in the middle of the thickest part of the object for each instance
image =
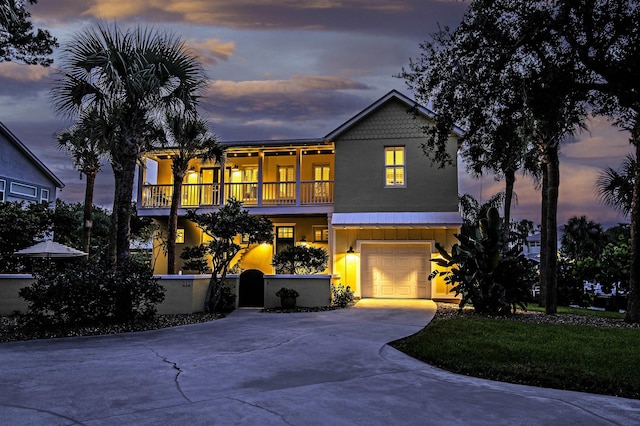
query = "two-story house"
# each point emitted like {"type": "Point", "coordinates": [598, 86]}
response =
{"type": "Point", "coordinates": [23, 177]}
{"type": "Point", "coordinates": [365, 192]}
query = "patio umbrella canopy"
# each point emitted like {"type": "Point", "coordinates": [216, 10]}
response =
{"type": "Point", "coordinates": [50, 250]}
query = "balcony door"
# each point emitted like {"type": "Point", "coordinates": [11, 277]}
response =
{"type": "Point", "coordinates": [321, 175]}
{"type": "Point", "coordinates": [286, 186]}
{"type": "Point", "coordinates": [190, 189]}
{"type": "Point", "coordinates": [210, 188]}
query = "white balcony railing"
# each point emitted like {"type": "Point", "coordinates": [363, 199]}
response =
{"type": "Point", "coordinates": [271, 194]}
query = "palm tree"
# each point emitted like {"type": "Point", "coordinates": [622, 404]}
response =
{"type": "Point", "coordinates": [582, 238]}
{"type": "Point", "coordinates": [85, 141]}
{"type": "Point", "coordinates": [615, 188]}
{"type": "Point", "coordinates": [132, 79]}
{"type": "Point", "coordinates": [188, 138]}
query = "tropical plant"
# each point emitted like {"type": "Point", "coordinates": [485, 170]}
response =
{"type": "Point", "coordinates": [132, 79]}
{"type": "Point", "coordinates": [186, 138]}
{"type": "Point", "coordinates": [493, 281]}
{"type": "Point", "coordinates": [17, 38]}
{"type": "Point", "coordinates": [87, 147]}
{"type": "Point", "coordinates": [615, 187]}
{"type": "Point", "coordinates": [300, 260]}
{"type": "Point", "coordinates": [341, 296]}
{"type": "Point", "coordinates": [225, 227]}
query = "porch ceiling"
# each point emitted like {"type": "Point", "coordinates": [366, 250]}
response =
{"type": "Point", "coordinates": [397, 219]}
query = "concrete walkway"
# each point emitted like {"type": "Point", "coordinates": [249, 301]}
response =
{"type": "Point", "coordinates": [327, 368]}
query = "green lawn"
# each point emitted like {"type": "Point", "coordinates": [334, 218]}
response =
{"type": "Point", "coordinates": [580, 311]}
{"type": "Point", "coordinates": [582, 358]}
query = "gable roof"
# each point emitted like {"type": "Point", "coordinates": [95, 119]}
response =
{"type": "Point", "coordinates": [30, 155]}
{"type": "Point", "coordinates": [393, 94]}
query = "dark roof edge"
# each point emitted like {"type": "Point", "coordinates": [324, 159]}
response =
{"type": "Point", "coordinates": [22, 147]}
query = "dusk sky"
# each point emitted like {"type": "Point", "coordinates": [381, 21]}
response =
{"type": "Point", "coordinates": [287, 69]}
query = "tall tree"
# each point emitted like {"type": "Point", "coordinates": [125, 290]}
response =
{"type": "Point", "coordinates": [448, 77]}
{"type": "Point", "coordinates": [505, 67]}
{"type": "Point", "coordinates": [582, 238]}
{"type": "Point", "coordinates": [187, 138]}
{"type": "Point", "coordinates": [86, 142]}
{"type": "Point", "coordinates": [18, 41]}
{"type": "Point", "coordinates": [132, 79]}
{"type": "Point", "coordinates": [605, 35]}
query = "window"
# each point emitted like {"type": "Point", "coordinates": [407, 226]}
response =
{"type": "Point", "coordinates": [320, 234]}
{"type": "Point", "coordinates": [180, 236]}
{"type": "Point", "coordinates": [44, 195]}
{"type": "Point", "coordinates": [284, 237]}
{"type": "Point", "coordinates": [394, 165]}
{"type": "Point", "coordinates": [24, 190]}
{"type": "Point", "coordinates": [2, 190]}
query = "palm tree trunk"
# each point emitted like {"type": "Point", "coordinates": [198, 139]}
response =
{"type": "Point", "coordinates": [551, 284]}
{"type": "Point", "coordinates": [88, 211]}
{"type": "Point", "coordinates": [123, 176]}
{"type": "Point", "coordinates": [633, 303]}
{"type": "Point", "coordinates": [173, 224]}
{"type": "Point", "coordinates": [543, 237]}
{"type": "Point", "coordinates": [510, 179]}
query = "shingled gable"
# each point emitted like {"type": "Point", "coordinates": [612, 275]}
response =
{"type": "Point", "coordinates": [393, 95]}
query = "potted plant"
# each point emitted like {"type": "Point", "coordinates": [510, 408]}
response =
{"type": "Point", "coordinates": [287, 297]}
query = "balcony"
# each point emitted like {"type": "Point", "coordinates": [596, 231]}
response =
{"type": "Point", "coordinates": [252, 194]}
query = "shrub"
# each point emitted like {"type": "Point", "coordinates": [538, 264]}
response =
{"type": "Point", "coordinates": [300, 260]}
{"type": "Point", "coordinates": [194, 258]}
{"type": "Point", "coordinates": [341, 296]}
{"type": "Point", "coordinates": [227, 301]}
{"type": "Point", "coordinates": [89, 293]}
{"type": "Point", "coordinates": [491, 280]}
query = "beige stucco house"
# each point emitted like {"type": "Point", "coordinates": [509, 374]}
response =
{"type": "Point", "coordinates": [365, 192]}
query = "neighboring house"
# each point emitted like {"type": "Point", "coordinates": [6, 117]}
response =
{"type": "Point", "coordinates": [23, 177]}
{"type": "Point", "coordinates": [365, 192]}
{"type": "Point", "coordinates": [532, 249]}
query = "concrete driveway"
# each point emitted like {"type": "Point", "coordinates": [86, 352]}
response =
{"type": "Point", "coordinates": [327, 368]}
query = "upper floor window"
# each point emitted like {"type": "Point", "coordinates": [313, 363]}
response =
{"type": "Point", "coordinates": [44, 195]}
{"type": "Point", "coordinates": [23, 189]}
{"type": "Point", "coordinates": [394, 165]}
{"type": "Point", "coordinates": [2, 190]}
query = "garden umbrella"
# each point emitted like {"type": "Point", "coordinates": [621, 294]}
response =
{"type": "Point", "coordinates": [50, 250]}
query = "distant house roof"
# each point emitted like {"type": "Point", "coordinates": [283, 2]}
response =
{"type": "Point", "coordinates": [397, 219]}
{"type": "Point", "coordinates": [393, 94]}
{"type": "Point", "coordinates": [22, 147]}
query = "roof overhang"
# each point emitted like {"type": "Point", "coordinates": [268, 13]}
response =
{"type": "Point", "coordinates": [398, 219]}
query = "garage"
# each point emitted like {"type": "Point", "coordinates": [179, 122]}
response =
{"type": "Point", "coordinates": [396, 270]}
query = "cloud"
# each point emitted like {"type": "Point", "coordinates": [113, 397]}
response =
{"type": "Point", "coordinates": [211, 50]}
{"type": "Point", "coordinates": [369, 16]}
{"type": "Point", "coordinates": [24, 73]}
{"type": "Point", "coordinates": [295, 85]}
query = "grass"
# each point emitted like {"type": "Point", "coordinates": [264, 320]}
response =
{"type": "Point", "coordinates": [581, 358]}
{"type": "Point", "coordinates": [579, 311]}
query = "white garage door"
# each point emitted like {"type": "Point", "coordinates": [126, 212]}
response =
{"type": "Point", "coordinates": [395, 270]}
